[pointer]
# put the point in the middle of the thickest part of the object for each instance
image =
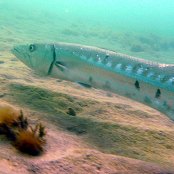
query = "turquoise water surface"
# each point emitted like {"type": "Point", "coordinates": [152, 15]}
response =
{"type": "Point", "coordinates": [142, 28]}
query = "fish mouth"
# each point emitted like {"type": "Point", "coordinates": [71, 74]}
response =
{"type": "Point", "coordinates": [15, 51]}
{"type": "Point", "coordinates": [23, 57]}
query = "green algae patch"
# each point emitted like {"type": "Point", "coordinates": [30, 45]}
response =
{"type": "Point", "coordinates": [125, 140]}
{"type": "Point", "coordinates": [45, 100]}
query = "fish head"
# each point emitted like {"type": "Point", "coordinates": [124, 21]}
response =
{"type": "Point", "coordinates": [36, 56]}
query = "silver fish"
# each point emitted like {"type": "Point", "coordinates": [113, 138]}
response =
{"type": "Point", "coordinates": [141, 80]}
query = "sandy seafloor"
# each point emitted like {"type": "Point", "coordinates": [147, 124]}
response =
{"type": "Point", "coordinates": [110, 134]}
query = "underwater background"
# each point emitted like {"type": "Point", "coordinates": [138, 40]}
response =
{"type": "Point", "coordinates": [141, 28]}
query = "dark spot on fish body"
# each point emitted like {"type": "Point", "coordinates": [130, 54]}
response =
{"type": "Point", "coordinates": [107, 56]}
{"type": "Point", "coordinates": [137, 85]}
{"type": "Point", "coordinates": [106, 59]}
{"type": "Point", "coordinates": [158, 93]}
{"type": "Point", "coordinates": [2, 62]}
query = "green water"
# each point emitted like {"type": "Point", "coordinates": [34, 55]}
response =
{"type": "Point", "coordinates": [142, 28]}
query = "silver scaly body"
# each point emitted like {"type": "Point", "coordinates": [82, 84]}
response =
{"type": "Point", "coordinates": [144, 81]}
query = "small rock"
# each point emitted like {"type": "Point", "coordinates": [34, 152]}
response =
{"type": "Point", "coordinates": [71, 112]}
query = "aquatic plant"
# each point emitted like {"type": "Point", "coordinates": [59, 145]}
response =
{"type": "Point", "coordinates": [11, 121]}
{"type": "Point", "coordinates": [15, 127]}
{"type": "Point", "coordinates": [22, 121]}
{"type": "Point", "coordinates": [42, 131]}
{"type": "Point", "coordinates": [8, 131]}
{"type": "Point", "coordinates": [39, 129]}
{"type": "Point", "coordinates": [31, 141]}
{"type": "Point", "coordinates": [27, 142]}
{"type": "Point", "coordinates": [8, 121]}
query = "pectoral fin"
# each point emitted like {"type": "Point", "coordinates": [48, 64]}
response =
{"type": "Point", "coordinates": [60, 65]}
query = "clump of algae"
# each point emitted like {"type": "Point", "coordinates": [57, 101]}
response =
{"type": "Point", "coordinates": [16, 128]}
{"type": "Point", "coordinates": [31, 141]}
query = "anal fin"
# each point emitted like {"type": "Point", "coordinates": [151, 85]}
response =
{"type": "Point", "coordinates": [84, 85]}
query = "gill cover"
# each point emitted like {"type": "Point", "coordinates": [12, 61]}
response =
{"type": "Point", "coordinates": [38, 57]}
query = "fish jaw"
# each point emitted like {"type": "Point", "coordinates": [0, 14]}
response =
{"type": "Point", "coordinates": [38, 57]}
{"type": "Point", "coordinates": [20, 53]}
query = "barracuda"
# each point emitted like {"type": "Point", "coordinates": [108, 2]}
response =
{"type": "Point", "coordinates": [141, 80]}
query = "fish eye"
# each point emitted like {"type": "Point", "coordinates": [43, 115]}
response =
{"type": "Point", "coordinates": [32, 48]}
